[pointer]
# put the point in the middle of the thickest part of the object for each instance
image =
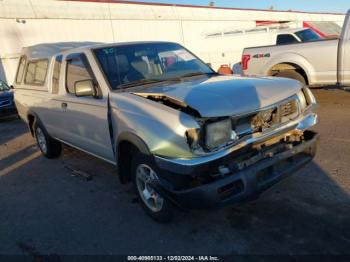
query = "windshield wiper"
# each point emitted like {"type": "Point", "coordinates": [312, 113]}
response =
{"type": "Point", "coordinates": [153, 81]}
{"type": "Point", "coordinates": [140, 82]}
{"type": "Point", "coordinates": [198, 74]}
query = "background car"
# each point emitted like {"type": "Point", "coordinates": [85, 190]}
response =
{"type": "Point", "coordinates": [7, 105]}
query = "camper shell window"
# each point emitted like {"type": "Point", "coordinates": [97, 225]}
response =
{"type": "Point", "coordinates": [36, 72]}
{"type": "Point", "coordinates": [20, 70]}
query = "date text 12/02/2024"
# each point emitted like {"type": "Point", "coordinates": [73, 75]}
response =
{"type": "Point", "coordinates": [173, 258]}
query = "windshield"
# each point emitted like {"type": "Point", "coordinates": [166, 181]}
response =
{"type": "Point", "coordinates": [308, 35]}
{"type": "Point", "coordinates": [148, 63]}
{"type": "Point", "coordinates": [3, 86]}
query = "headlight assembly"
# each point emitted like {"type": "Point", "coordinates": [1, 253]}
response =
{"type": "Point", "coordinates": [219, 133]}
{"type": "Point", "coordinates": [211, 136]}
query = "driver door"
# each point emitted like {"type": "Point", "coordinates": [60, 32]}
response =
{"type": "Point", "coordinates": [83, 120]}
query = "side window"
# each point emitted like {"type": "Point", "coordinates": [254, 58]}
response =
{"type": "Point", "coordinates": [20, 70]}
{"type": "Point", "coordinates": [56, 74]}
{"type": "Point", "coordinates": [36, 72]}
{"type": "Point", "coordinates": [286, 39]}
{"type": "Point", "coordinates": [77, 69]}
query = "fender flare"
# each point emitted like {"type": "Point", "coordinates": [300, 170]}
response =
{"type": "Point", "coordinates": [135, 140]}
{"type": "Point", "coordinates": [124, 170]}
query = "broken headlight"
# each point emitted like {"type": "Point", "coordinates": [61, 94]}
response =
{"type": "Point", "coordinates": [218, 133]}
{"type": "Point", "coordinates": [211, 136]}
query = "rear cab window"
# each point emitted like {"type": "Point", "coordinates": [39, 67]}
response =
{"type": "Point", "coordinates": [285, 39]}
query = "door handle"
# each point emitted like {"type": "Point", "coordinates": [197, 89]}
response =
{"type": "Point", "coordinates": [64, 106]}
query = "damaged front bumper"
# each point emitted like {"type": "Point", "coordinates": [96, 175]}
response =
{"type": "Point", "coordinates": [242, 178]}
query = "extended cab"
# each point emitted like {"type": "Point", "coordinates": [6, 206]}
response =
{"type": "Point", "coordinates": [184, 135]}
{"type": "Point", "coordinates": [316, 63]}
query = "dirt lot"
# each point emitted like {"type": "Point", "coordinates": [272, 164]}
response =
{"type": "Point", "coordinates": [46, 209]}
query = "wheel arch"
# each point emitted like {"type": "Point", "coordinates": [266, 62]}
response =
{"type": "Point", "coordinates": [292, 61]}
{"type": "Point", "coordinates": [127, 145]}
{"type": "Point", "coordinates": [285, 66]}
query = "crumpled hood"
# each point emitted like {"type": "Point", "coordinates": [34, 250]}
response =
{"type": "Point", "coordinates": [227, 95]}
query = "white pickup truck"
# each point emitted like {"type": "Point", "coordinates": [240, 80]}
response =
{"type": "Point", "coordinates": [316, 63]}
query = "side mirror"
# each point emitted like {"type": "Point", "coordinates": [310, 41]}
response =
{"type": "Point", "coordinates": [84, 88]}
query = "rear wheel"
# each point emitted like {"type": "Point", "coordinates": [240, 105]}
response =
{"type": "Point", "coordinates": [144, 172]}
{"type": "Point", "coordinates": [48, 146]}
{"type": "Point", "coordinates": [292, 74]}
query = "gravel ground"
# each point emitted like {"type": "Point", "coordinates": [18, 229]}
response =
{"type": "Point", "coordinates": [47, 209]}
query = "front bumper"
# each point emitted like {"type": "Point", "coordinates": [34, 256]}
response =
{"type": "Point", "coordinates": [242, 180]}
{"type": "Point", "coordinates": [245, 184]}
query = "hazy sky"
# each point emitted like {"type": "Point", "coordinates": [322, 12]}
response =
{"type": "Point", "coordinates": [301, 5]}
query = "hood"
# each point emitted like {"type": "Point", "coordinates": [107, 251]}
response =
{"type": "Point", "coordinates": [227, 95]}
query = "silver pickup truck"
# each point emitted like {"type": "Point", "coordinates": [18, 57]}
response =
{"type": "Point", "coordinates": [184, 135]}
{"type": "Point", "coordinates": [315, 63]}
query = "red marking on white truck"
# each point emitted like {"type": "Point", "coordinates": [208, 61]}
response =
{"type": "Point", "coordinates": [245, 60]}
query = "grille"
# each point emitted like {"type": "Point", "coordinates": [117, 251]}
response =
{"type": "Point", "coordinates": [288, 108]}
{"type": "Point", "coordinates": [268, 118]}
{"type": "Point", "coordinates": [263, 119]}
{"type": "Point", "coordinates": [288, 111]}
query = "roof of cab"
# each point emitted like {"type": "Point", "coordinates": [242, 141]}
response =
{"type": "Point", "coordinates": [48, 50]}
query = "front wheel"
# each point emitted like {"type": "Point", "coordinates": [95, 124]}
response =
{"type": "Point", "coordinates": [48, 146]}
{"type": "Point", "coordinates": [144, 171]}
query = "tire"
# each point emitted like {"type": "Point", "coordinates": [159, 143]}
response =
{"type": "Point", "coordinates": [48, 146]}
{"type": "Point", "coordinates": [292, 74]}
{"type": "Point", "coordinates": [157, 207]}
